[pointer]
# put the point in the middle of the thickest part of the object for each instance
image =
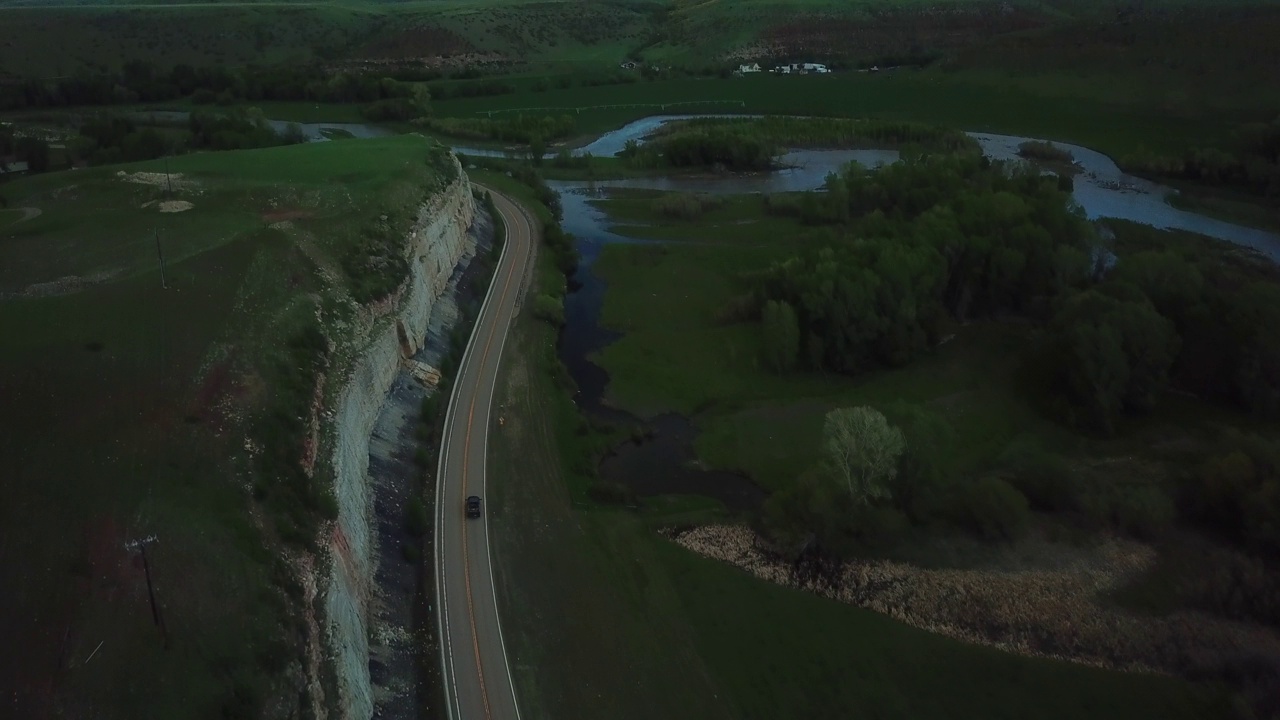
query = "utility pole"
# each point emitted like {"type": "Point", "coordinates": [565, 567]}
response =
{"type": "Point", "coordinates": [160, 253]}
{"type": "Point", "coordinates": [141, 545]}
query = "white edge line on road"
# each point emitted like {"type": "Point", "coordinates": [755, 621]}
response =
{"type": "Point", "coordinates": [442, 610]}
{"type": "Point", "coordinates": [506, 331]}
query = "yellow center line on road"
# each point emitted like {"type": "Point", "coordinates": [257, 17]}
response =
{"type": "Point", "coordinates": [466, 454]}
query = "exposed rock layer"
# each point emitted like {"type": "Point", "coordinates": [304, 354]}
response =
{"type": "Point", "coordinates": [434, 247]}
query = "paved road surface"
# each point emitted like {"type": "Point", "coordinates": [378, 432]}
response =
{"type": "Point", "coordinates": [477, 677]}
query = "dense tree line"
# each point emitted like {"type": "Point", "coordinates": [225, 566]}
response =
{"type": "Point", "coordinates": [749, 144]}
{"type": "Point", "coordinates": [937, 239]}
{"type": "Point", "coordinates": [105, 138]}
{"type": "Point", "coordinates": [140, 81]}
{"type": "Point", "coordinates": [1251, 164]}
{"type": "Point", "coordinates": [514, 129]}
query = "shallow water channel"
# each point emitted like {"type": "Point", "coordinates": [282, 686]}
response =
{"type": "Point", "coordinates": [665, 463]}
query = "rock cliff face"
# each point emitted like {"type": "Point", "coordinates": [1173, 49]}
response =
{"type": "Point", "coordinates": [437, 241]}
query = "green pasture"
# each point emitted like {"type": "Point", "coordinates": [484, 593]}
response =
{"type": "Point", "coordinates": [126, 407]}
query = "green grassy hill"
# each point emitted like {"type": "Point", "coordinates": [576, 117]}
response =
{"type": "Point", "coordinates": [132, 411]}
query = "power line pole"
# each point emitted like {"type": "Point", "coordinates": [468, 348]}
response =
{"type": "Point", "coordinates": [156, 617]}
{"type": "Point", "coordinates": [160, 253]}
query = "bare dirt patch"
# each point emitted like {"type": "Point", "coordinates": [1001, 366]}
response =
{"type": "Point", "coordinates": [162, 180]}
{"type": "Point", "coordinates": [276, 216]}
{"type": "Point", "coordinates": [175, 206]}
{"type": "Point", "coordinates": [62, 286]}
{"type": "Point", "coordinates": [1055, 612]}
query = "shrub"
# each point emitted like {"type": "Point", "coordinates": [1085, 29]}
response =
{"type": "Point", "coordinates": [1044, 151]}
{"type": "Point", "coordinates": [411, 553]}
{"type": "Point", "coordinates": [995, 509]}
{"type": "Point", "coordinates": [612, 493]}
{"type": "Point", "coordinates": [1041, 476]}
{"type": "Point", "coordinates": [685, 206]}
{"type": "Point", "coordinates": [548, 309]}
{"type": "Point", "coordinates": [1144, 511]}
{"type": "Point", "coordinates": [416, 520]}
{"type": "Point", "coordinates": [430, 404]}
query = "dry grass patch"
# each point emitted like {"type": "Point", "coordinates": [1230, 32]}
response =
{"type": "Point", "coordinates": [1055, 613]}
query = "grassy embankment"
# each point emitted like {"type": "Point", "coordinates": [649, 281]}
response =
{"type": "Point", "coordinates": [691, 638]}
{"type": "Point", "coordinates": [132, 411]}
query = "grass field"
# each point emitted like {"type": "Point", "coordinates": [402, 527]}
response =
{"type": "Point", "coordinates": [126, 416]}
{"type": "Point", "coordinates": [604, 618]}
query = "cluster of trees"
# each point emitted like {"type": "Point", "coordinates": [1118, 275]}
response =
{"type": "Point", "coordinates": [1041, 150]}
{"type": "Point", "coordinates": [712, 146]}
{"type": "Point", "coordinates": [749, 144]}
{"type": "Point", "coordinates": [107, 138]}
{"type": "Point", "coordinates": [933, 240]}
{"type": "Point", "coordinates": [1170, 316]}
{"type": "Point", "coordinates": [881, 473]}
{"type": "Point", "coordinates": [1236, 491]}
{"type": "Point", "coordinates": [1113, 351]}
{"type": "Point", "coordinates": [925, 242]}
{"type": "Point", "coordinates": [531, 129]}
{"type": "Point", "coordinates": [1252, 165]}
{"type": "Point", "coordinates": [921, 244]}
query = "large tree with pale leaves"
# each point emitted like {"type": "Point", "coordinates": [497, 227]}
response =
{"type": "Point", "coordinates": [862, 449]}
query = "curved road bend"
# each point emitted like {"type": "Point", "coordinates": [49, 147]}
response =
{"type": "Point", "coordinates": [477, 678]}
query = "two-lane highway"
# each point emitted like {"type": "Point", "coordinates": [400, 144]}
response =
{"type": "Point", "coordinates": [477, 677]}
